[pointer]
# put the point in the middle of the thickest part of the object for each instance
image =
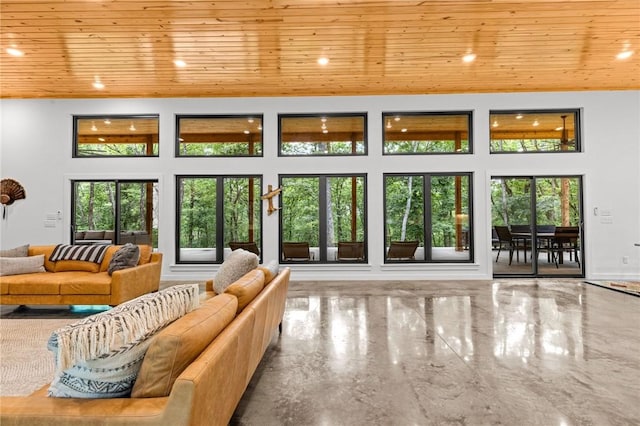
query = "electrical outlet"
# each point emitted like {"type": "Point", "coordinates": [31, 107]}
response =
{"type": "Point", "coordinates": [625, 259]}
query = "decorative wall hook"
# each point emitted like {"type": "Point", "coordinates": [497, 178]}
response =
{"type": "Point", "coordinates": [269, 197]}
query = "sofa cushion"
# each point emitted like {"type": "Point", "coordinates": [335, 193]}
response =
{"type": "Point", "coordinates": [76, 265]}
{"type": "Point", "coordinates": [94, 235]}
{"type": "Point", "coordinates": [238, 263]}
{"type": "Point", "coordinates": [247, 287]}
{"type": "Point", "coordinates": [90, 253]}
{"type": "Point", "coordinates": [175, 347]}
{"type": "Point", "coordinates": [21, 265]}
{"type": "Point", "coordinates": [127, 256]}
{"type": "Point", "coordinates": [145, 254]}
{"type": "Point", "coordinates": [21, 251]}
{"type": "Point", "coordinates": [86, 283]}
{"type": "Point", "coordinates": [99, 356]}
{"type": "Point", "coordinates": [270, 270]}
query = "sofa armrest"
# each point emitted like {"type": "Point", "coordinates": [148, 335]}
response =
{"type": "Point", "coordinates": [127, 284]}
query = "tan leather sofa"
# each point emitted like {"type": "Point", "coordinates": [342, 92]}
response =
{"type": "Point", "coordinates": [211, 373]}
{"type": "Point", "coordinates": [72, 282]}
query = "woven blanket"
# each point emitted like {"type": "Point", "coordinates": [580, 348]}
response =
{"type": "Point", "coordinates": [89, 253]}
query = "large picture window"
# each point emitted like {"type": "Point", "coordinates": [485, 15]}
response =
{"type": "Point", "coordinates": [217, 214]}
{"type": "Point", "coordinates": [427, 132]}
{"type": "Point", "coordinates": [323, 218]}
{"type": "Point", "coordinates": [535, 131]}
{"type": "Point", "coordinates": [428, 217]}
{"type": "Point", "coordinates": [115, 136]}
{"type": "Point", "coordinates": [219, 136]}
{"type": "Point", "coordinates": [322, 134]}
{"type": "Point", "coordinates": [114, 212]}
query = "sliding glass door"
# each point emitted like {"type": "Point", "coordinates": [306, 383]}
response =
{"type": "Point", "coordinates": [537, 226]}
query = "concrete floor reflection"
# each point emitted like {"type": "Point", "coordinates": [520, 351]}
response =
{"type": "Point", "coordinates": [525, 352]}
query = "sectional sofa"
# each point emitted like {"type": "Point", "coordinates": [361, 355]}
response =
{"type": "Point", "coordinates": [76, 282]}
{"type": "Point", "coordinates": [194, 372]}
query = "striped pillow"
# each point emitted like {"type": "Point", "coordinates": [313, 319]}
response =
{"type": "Point", "coordinates": [89, 253]}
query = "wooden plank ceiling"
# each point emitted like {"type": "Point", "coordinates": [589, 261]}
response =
{"type": "Point", "coordinates": [270, 48]}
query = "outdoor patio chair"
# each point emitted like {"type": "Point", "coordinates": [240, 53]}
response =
{"type": "Point", "coordinates": [246, 245]}
{"type": "Point", "coordinates": [351, 250]}
{"type": "Point", "coordinates": [506, 241]}
{"type": "Point", "coordinates": [565, 239]}
{"type": "Point", "coordinates": [296, 251]}
{"type": "Point", "coordinates": [402, 250]}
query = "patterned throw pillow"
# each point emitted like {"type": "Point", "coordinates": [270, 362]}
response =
{"type": "Point", "coordinates": [21, 265]}
{"type": "Point", "coordinates": [88, 253]}
{"type": "Point", "coordinates": [127, 256]}
{"type": "Point", "coordinates": [100, 356]}
{"type": "Point", "coordinates": [21, 251]}
{"type": "Point", "coordinates": [238, 263]}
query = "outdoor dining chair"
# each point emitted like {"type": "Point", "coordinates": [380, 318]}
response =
{"type": "Point", "coordinates": [245, 245]}
{"type": "Point", "coordinates": [402, 250]}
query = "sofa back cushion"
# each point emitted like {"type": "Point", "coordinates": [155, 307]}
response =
{"type": "Point", "coordinates": [46, 250]}
{"type": "Point", "coordinates": [145, 253]}
{"type": "Point", "coordinates": [175, 347]}
{"type": "Point", "coordinates": [100, 356]}
{"type": "Point", "coordinates": [247, 287]}
{"type": "Point", "coordinates": [75, 265]}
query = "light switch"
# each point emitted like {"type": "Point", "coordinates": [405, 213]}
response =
{"type": "Point", "coordinates": [49, 223]}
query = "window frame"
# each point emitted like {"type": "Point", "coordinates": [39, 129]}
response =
{"type": "Point", "coordinates": [428, 219]}
{"type": "Point", "coordinates": [468, 113]}
{"type": "Point", "coordinates": [365, 136]}
{"type": "Point", "coordinates": [220, 228]}
{"type": "Point", "coordinates": [177, 142]}
{"type": "Point", "coordinates": [322, 221]}
{"type": "Point", "coordinates": [577, 112]}
{"type": "Point", "coordinates": [96, 117]}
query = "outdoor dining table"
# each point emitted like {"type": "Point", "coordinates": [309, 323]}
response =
{"type": "Point", "coordinates": [541, 236]}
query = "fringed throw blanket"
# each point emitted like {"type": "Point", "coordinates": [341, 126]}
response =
{"type": "Point", "coordinates": [90, 253]}
{"type": "Point", "coordinates": [100, 356]}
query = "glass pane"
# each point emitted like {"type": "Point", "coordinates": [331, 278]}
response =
{"type": "Point", "coordinates": [404, 201]}
{"type": "Point", "coordinates": [511, 221]}
{"type": "Point", "coordinates": [94, 212]}
{"type": "Point", "coordinates": [345, 218]}
{"type": "Point", "coordinates": [558, 225]}
{"type": "Point", "coordinates": [534, 131]}
{"type": "Point", "coordinates": [450, 217]}
{"type": "Point", "coordinates": [197, 219]}
{"type": "Point", "coordinates": [328, 134]}
{"type": "Point", "coordinates": [138, 215]}
{"type": "Point", "coordinates": [219, 136]}
{"type": "Point", "coordinates": [300, 216]}
{"type": "Point", "coordinates": [122, 136]}
{"type": "Point", "coordinates": [426, 133]}
{"type": "Point", "coordinates": [242, 212]}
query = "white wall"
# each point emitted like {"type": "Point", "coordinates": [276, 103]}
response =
{"type": "Point", "coordinates": [36, 148]}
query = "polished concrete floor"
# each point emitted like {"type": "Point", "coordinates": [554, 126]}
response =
{"type": "Point", "coordinates": [503, 352]}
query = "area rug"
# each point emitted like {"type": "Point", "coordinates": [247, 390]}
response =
{"type": "Point", "coordinates": [25, 362]}
{"type": "Point", "coordinates": [629, 287]}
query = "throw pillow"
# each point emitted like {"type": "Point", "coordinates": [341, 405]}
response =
{"type": "Point", "coordinates": [270, 270]}
{"type": "Point", "coordinates": [88, 253]}
{"type": "Point", "coordinates": [21, 251]}
{"type": "Point", "coordinates": [238, 263]}
{"type": "Point", "coordinates": [127, 256]}
{"type": "Point", "coordinates": [100, 356]}
{"type": "Point", "coordinates": [21, 265]}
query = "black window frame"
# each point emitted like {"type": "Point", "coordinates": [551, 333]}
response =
{"type": "Point", "coordinates": [103, 117]}
{"type": "Point", "coordinates": [428, 224]}
{"type": "Point", "coordinates": [177, 142]}
{"type": "Point", "coordinates": [220, 243]}
{"type": "Point", "coordinates": [577, 125]}
{"type": "Point", "coordinates": [322, 222]}
{"type": "Point", "coordinates": [469, 113]}
{"type": "Point", "coordinates": [365, 137]}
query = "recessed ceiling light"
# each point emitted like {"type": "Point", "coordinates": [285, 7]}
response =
{"type": "Point", "coordinates": [246, 132]}
{"type": "Point", "coordinates": [180, 63]}
{"type": "Point", "coordinates": [495, 123]}
{"type": "Point", "coordinates": [536, 123]}
{"type": "Point", "coordinates": [559, 128]}
{"type": "Point", "coordinates": [98, 85]}
{"type": "Point", "coordinates": [519, 117]}
{"type": "Point", "coordinates": [403, 130]}
{"type": "Point", "coordinates": [323, 60]}
{"type": "Point", "coordinates": [396, 118]}
{"type": "Point", "coordinates": [469, 57]}
{"type": "Point", "coordinates": [101, 139]}
{"type": "Point", "coordinates": [325, 131]}
{"type": "Point", "coordinates": [625, 54]}
{"type": "Point", "coordinates": [14, 52]}
{"type": "Point", "coordinates": [107, 121]}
